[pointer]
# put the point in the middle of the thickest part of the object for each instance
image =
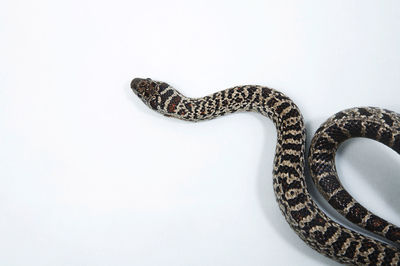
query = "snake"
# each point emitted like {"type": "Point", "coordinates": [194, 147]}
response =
{"type": "Point", "coordinates": [301, 212]}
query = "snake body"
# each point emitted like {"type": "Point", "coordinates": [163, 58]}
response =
{"type": "Point", "coordinates": [303, 215]}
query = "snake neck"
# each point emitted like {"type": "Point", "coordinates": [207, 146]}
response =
{"type": "Point", "coordinates": [266, 101]}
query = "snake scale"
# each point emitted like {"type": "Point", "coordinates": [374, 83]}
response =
{"type": "Point", "coordinates": [303, 215]}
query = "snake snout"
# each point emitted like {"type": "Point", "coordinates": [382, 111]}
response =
{"type": "Point", "coordinates": [134, 84]}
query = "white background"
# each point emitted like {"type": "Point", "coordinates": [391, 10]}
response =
{"type": "Point", "coordinates": [91, 176]}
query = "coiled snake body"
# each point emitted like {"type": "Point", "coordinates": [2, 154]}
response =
{"type": "Point", "coordinates": [300, 211]}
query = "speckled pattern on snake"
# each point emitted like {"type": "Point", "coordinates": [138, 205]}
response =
{"type": "Point", "coordinates": [300, 211]}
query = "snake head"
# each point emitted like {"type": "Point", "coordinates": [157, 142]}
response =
{"type": "Point", "coordinates": [148, 90]}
